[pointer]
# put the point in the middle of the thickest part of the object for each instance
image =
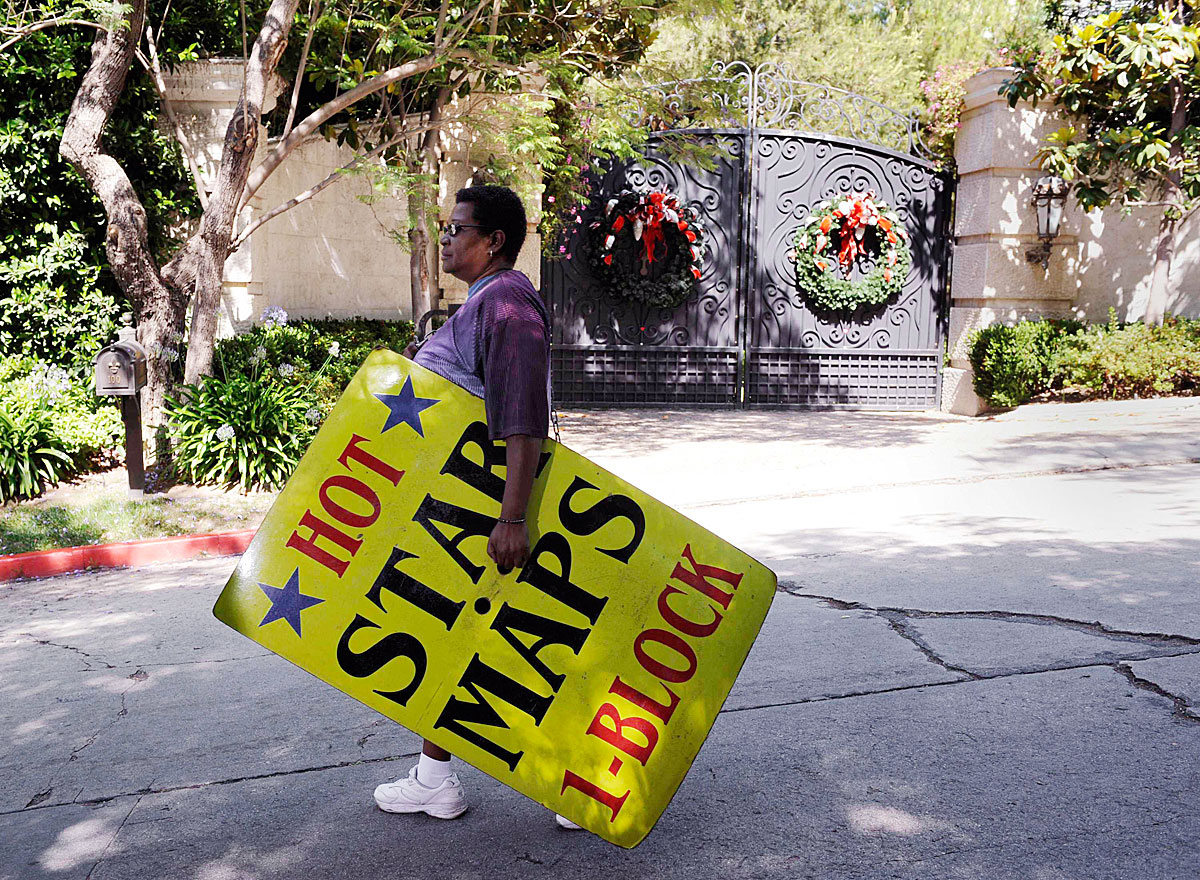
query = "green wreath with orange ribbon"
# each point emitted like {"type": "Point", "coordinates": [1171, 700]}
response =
{"type": "Point", "coordinates": [841, 232]}
{"type": "Point", "coordinates": [649, 248]}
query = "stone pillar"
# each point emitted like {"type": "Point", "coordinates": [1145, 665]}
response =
{"type": "Point", "coordinates": [994, 226]}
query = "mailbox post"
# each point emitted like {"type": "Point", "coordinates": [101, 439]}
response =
{"type": "Point", "coordinates": [120, 370]}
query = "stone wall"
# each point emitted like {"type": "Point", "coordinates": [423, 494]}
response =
{"type": "Point", "coordinates": [1100, 259]}
{"type": "Point", "coordinates": [334, 255]}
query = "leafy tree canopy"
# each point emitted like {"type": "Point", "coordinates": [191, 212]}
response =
{"type": "Point", "coordinates": [883, 50]}
{"type": "Point", "coordinates": [1129, 87]}
{"type": "Point", "coordinates": [57, 301]}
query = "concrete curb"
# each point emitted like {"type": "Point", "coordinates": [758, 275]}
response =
{"type": "Point", "coordinates": [47, 563]}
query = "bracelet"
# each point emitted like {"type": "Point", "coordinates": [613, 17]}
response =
{"type": "Point", "coordinates": [512, 522]}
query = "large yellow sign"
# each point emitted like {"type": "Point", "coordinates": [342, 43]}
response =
{"type": "Point", "coordinates": [587, 680]}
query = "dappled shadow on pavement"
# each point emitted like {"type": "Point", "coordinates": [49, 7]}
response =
{"type": "Point", "coordinates": [641, 431]}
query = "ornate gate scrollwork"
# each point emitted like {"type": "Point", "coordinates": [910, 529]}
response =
{"type": "Point", "coordinates": [748, 336]}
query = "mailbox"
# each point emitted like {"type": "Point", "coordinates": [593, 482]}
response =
{"type": "Point", "coordinates": [120, 369]}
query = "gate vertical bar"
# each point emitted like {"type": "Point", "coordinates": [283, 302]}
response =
{"type": "Point", "coordinates": [746, 274]}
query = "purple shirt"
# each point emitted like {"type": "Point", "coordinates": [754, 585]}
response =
{"type": "Point", "coordinates": [497, 346]}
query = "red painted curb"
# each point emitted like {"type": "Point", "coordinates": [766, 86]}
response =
{"type": "Point", "coordinates": [46, 563]}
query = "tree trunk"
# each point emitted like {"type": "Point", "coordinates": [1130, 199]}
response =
{"type": "Point", "coordinates": [422, 247]}
{"type": "Point", "coordinates": [1164, 253]}
{"type": "Point", "coordinates": [418, 256]}
{"type": "Point", "coordinates": [157, 305]}
{"type": "Point", "coordinates": [1164, 249]}
{"type": "Point", "coordinates": [216, 229]}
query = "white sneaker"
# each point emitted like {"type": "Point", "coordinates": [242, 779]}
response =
{"type": "Point", "coordinates": [567, 824]}
{"type": "Point", "coordinates": [406, 795]}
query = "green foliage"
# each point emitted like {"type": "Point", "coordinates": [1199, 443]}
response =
{"type": "Point", "coordinates": [87, 428]}
{"type": "Point", "coordinates": [547, 51]}
{"type": "Point", "coordinates": [249, 424]}
{"type": "Point", "coordinates": [31, 456]}
{"type": "Point", "coordinates": [882, 50]}
{"type": "Point", "coordinates": [57, 300]}
{"type": "Point", "coordinates": [1118, 76]}
{"type": "Point", "coordinates": [245, 431]}
{"type": "Point", "coordinates": [1013, 364]}
{"type": "Point", "coordinates": [1135, 360]}
{"type": "Point", "coordinates": [302, 350]}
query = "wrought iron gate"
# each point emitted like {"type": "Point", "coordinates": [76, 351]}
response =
{"type": "Point", "coordinates": [748, 337]}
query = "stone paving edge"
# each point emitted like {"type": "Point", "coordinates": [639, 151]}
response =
{"type": "Point", "coordinates": [47, 563]}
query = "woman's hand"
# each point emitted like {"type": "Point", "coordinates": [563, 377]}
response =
{"type": "Point", "coordinates": [508, 546]}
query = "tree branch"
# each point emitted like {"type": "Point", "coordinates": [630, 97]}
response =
{"type": "Point", "coordinates": [331, 178]}
{"type": "Point", "coordinates": [210, 246]}
{"type": "Point", "coordinates": [160, 85]}
{"type": "Point", "coordinates": [127, 239]}
{"type": "Point", "coordinates": [20, 33]}
{"type": "Point", "coordinates": [338, 104]}
{"type": "Point", "coordinates": [315, 11]}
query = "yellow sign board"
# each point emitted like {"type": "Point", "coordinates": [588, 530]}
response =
{"type": "Point", "coordinates": [587, 680]}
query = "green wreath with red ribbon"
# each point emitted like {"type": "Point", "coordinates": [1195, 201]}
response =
{"type": "Point", "coordinates": [851, 227]}
{"type": "Point", "coordinates": [648, 248]}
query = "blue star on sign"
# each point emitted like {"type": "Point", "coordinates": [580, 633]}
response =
{"type": "Point", "coordinates": [287, 602]}
{"type": "Point", "coordinates": [405, 407]}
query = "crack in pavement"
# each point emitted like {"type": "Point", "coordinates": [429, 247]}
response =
{"type": "Point", "coordinates": [827, 698]}
{"type": "Point", "coordinates": [38, 799]}
{"type": "Point", "coordinates": [112, 839]}
{"type": "Point", "coordinates": [79, 651]}
{"type": "Point", "coordinates": [897, 619]}
{"type": "Point", "coordinates": [166, 664]}
{"type": "Point", "coordinates": [899, 624]}
{"type": "Point", "coordinates": [149, 790]}
{"type": "Point", "coordinates": [1161, 640]}
{"type": "Point", "coordinates": [1181, 705]}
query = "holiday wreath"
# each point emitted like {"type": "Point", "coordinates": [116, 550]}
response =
{"type": "Point", "coordinates": [837, 234]}
{"type": "Point", "coordinates": [648, 248]}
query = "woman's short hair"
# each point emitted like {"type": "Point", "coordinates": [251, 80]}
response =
{"type": "Point", "coordinates": [497, 207]}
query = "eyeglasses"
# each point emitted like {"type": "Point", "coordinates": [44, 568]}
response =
{"type": "Point", "coordinates": [453, 229]}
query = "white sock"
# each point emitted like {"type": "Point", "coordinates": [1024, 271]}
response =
{"type": "Point", "coordinates": [431, 772]}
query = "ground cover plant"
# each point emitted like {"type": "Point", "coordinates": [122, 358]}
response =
{"type": "Point", "coordinates": [301, 349]}
{"type": "Point", "coordinates": [1013, 364]}
{"type": "Point", "coordinates": [95, 509]}
{"type": "Point", "coordinates": [247, 425]}
{"type": "Point", "coordinates": [51, 426]}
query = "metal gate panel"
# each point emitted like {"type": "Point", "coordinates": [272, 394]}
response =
{"type": "Point", "coordinates": [607, 351]}
{"type": "Point", "coordinates": [882, 357]}
{"type": "Point", "coordinates": [748, 337]}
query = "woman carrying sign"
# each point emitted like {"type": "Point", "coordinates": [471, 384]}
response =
{"type": "Point", "coordinates": [496, 346]}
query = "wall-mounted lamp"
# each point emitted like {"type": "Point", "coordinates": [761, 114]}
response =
{"type": "Point", "coordinates": [1049, 196]}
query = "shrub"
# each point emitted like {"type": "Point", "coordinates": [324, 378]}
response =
{"type": "Point", "coordinates": [1133, 360]}
{"type": "Point", "coordinates": [305, 347]}
{"type": "Point", "coordinates": [89, 428]}
{"type": "Point", "coordinates": [246, 430]}
{"type": "Point", "coordinates": [1012, 364]}
{"type": "Point", "coordinates": [31, 456]}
